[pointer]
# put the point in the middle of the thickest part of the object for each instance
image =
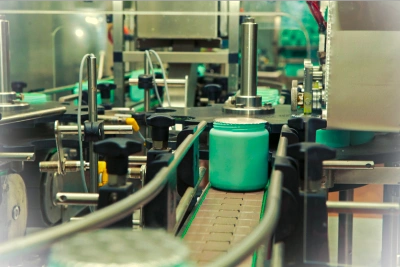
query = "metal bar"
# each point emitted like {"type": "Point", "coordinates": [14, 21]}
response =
{"type": "Point", "coordinates": [282, 146]}
{"type": "Point", "coordinates": [138, 159]}
{"type": "Point", "coordinates": [118, 45]}
{"type": "Point", "coordinates": [345, 238]}
{"type": "Point", "coordinates": [390, 227]}
{"type": "Point", "coordinates": [160, 82]}
{"type": "Point", "coordinates": [184, 204]}
{"type": "Point", "coordinates": [233, 35]}
{"type": "Point", "coordinates": [108, 215]}
{"type": "Point", "coordinates": [379, 175]}
{"type": "Point", "coordinates": [17, 156]}
{"type": "Point", "coordinates": [70, 166]}
{"type": "Point", "coordinates": [181, 57]}
{"type": "Point", "coordinates": [84, 199]}
{"type": "Point", "coordinates": [347, 165]}
{"type": "Point", "coordinates": [92, 95]}
{"type": "Point", "coordinates": [68, 98]}
{"type": "Point", "coordinates": [5, 83]}
{"type": "Point", "coordinates": [362, 207]}
{"type": "Point", "coordinates": [146, 91]}
{"type": "Point", "coordinates": [32, 115]}
{"type": "Point", "coordinates": [248, 78]}
{"type": "Point", "coordinates": [278, 255]}
{"type": "Point", "coordinates": [108, 129]}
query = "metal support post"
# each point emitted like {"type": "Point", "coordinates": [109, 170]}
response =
{"type": "Point", "coordinates": [345, 241]}
{"type": "Point", "coordinates": [118, 68]}
{"type": "Point", "coordinates": [92, 93]}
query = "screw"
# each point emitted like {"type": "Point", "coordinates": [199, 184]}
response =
{"type": "Point", "coordinates": [16, 212]}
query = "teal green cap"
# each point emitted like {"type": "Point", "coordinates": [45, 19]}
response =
{"type": "Point", "coordinates": [333, 138]}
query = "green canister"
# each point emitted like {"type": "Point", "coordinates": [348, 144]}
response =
{"type": "Point", "coordinates": [238, 154]}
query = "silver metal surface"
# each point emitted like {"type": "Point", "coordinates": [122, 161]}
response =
{"type": "Point", "coordinates": [116, 180]}
{"type": "Point", "coordinates": [70, 166]}
{"type": "Point", "coordinates": [108, 129]}
{"type": "Point", "coordinates": [138, 159]}
{"type": "Point", "coordinates": [294, 102]}
{"type": "Point", "coordinates": [68, 98]}
{"type": "Point", "coordinates": [248, 78]}
{"type": "Point", "coordinates": [86, 199]}
{"type": "Point", "coordinates": [92, 95]}
{"type": "Point", "coordinates": [17, 156]}
{"type": "Point", "coordinates": [282, 146]}
{"type": "Point", "coordinates": [5, 83]}
{"type": "Point", "coordinates": [32, 115]}
{"type": "Point", "coordinates": [221, 57]}
{"type": "Point", "coordinates": [345, 233]}
{"type": "Point", "coordinates": [347, 165]}
{"type": "Point", "coordinates": [248, 101]}
{"type": "Point", "coordinates": [362, 207]}
{"type": "Point", "coordinates": [13, 106]}
{"type": "Point", "coordinates": [160, 82]}
{"type": "Point", "coordinates": [177, 27]}
{"type": "Point", "coordinates": [118, 45]}
{"type": "Point", "coordinates": [146, 91]}
{"type": "Point", "coordinates": [60, 150]}
{"type": "Point", "coordinates": [278, 255]}
{"type": "Point", "coordinates": [379, 175]}
{"type": "Point", "coordinates": [373, 79]}
{"type": "Point", "coordinates": [230, 109]}
{"type": "Point", "coordinates": [7, 97]}
{"type": "Point", "coordinates": [184, 203]}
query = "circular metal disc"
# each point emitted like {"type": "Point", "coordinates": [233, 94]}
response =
{"type": "Point", "coordinates": [13, 207]}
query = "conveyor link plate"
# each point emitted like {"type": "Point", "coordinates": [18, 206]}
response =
{"type": "Point", "coordinates": [222, 220]}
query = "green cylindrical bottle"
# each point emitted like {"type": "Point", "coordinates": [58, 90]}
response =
{"type": "Point", "coordinates": [239, 154]}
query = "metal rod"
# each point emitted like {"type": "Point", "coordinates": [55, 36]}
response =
{"type": "Point", "coordinates": [32, 115]}
{"type": "Point", "coordinates": [92, 94]}
{"type": "Point", "coordinates": [70, 166]}
{"type": "Point", "coordinates": [5, 83]}
{"type": "Point", "coordinates": [17, 156]}
{"type": "Point", "coordinates": [84, 199]}
{"type": "Point", "coordinates": [68, 98]}
{"type": "Point", "coordinates": [184, 203]}
{"type": "Point", "coordinates": [347, 165]}
{"type": "Point", "coordinates": [160, 82]}
{"type": "Point", "coordinates": [282, 146]}
{"type": "Point", "coordinates": [378, 175]}
{"type": "Point", "coordinates": [345, 238]}
{"type": "Point", "coordinates": [146, 91]}
{"type": "Point", "coordinates": [249, 58]}
{"type": "Point", "coordinates": [138, 159]}
{"type": "Point", "coordinates": [278, 255]}
{"type": "Point", "coordinates": [362, 207]}
{"type": "Point", "coordinates": [108, 215]}
{"type": "Point", "coordinates": [108, 129]}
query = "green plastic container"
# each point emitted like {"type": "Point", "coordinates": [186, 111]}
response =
{"type": "Point", "coordinates": [239, 154]}
{"type": "Point", "coordinates": [360, 137]}
{"type": "Point", "coordinates": [333, 138]}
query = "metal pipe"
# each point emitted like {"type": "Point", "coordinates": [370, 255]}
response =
{"type": "Point", "coordinates": [70, 166]}
{"type": "Point", "coordinates": [146, 91]}
{"type": "Point", "coordinates": [108, 129]}
{"type": "Point", "coordinates": [345, 234]}
{"type": "Point", "coordinates": [282, 146]}
{"type": "Point", "coordinates": [278, 255]}
{"type": "Point", "coordinates": [108, 215]}
{"type": "Point", "coordinates": [362, 207]}
{"type": "Point", "coordinates": [17, 156]}
{"type": "Point", "coordinates": [160, 82]}
{"type": "Point", "coordinates": [249, 58]}
{"type": "Point", "coordinates": [92, 95]}
{"type": "Point", "coordinates": [347, 165]}
{"type": "Point", "coordinates": [138, 159]}
{"type": "Point", "coordinates": [84, 199]}
{"type": "Point", "coordinates": [5, 83]}
{"type": "Point", "coordinates": [32, 115]}
{"type": "Point", "coordinates": [184, 203]}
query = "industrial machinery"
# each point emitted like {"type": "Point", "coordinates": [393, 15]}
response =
{"type": "Point", "coordinates": [88, 181]}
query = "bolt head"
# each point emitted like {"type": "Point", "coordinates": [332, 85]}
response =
{"type": "Point", "coordinates": [16, 212]}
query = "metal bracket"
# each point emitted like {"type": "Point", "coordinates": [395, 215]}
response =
{"type": "Point", "coordinates": [60, 150]}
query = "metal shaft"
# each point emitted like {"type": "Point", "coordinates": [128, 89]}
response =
{"type": "Point", "coordinates": [146, 92]}
{"type": "Point", "coordinates": [92, 93]}
{"type": "Point", "coordinates": [345, 243]}
{"type": "Point", "coordinates": [77, 199]}
{"type": "Point", "coordinates": [5, 84]}
{"type": "Point", "coordinates": [108, 129]}
{"type": "Point", "coordinates": [17, 156]}
{"type": "Point", "coordinates": [249, 58]}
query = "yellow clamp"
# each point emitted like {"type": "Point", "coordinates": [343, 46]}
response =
{"type": "Point", "coordinates": [102, 169]}
{"type": "Point", "coordinates": [132, 121]}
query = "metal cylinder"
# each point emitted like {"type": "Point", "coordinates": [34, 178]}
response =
{"type": "Point", "coordinates": [70, 166]}
{"type": "Point", "coordinates": [5, 84]}
{"type": "Point", "coordinates": [138, 159]}
{"type": "Point", "coordinates": [108, 129]}
{"type": "Point", "coordinates": [249, 58]}
{"type": "Point", "coordinates": [17, 156]}
{"type": "Point", "coordinates": [84, 199]}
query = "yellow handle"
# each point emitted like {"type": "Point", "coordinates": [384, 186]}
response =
{"type": "Point", "coordinates": [102, 168]}
{"type": "Point", "coordinates": [132, 121]}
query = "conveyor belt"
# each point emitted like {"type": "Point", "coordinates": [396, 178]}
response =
{"type": "Point", "coordinates": [221, 220]}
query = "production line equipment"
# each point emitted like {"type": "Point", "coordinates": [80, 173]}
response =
{"type": "Point", "coordinates": [115, 187]}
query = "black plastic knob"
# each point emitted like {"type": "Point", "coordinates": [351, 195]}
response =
{"type": "Point", "coordinates": [117, 152]}
{"type": "Point", "coordinates": [145, 81]}
{"type": "Point", "coordinates": [160, 126]}
{"type": "Point", "coordinates": [18, 87]}
{"type": "Point", "coordinates": [105, 89]}
{"type": "Point", "coordinates": [213, 91]}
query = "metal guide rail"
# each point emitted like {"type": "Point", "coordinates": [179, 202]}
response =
{"type": "Point", "coordinates": [221, 220]}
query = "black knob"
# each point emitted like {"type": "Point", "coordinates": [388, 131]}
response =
{"type": "Point", "coordinates": [105, 89]}
{"type": "Point", "coordinates": [213, 91]}
{"type": "Point", "coordinates": [117, 152]}
{"type": "Point", "coordinates": [145, 81]}
{"type": "Point", "coordinates": [18, 87]}
{"type": "Point", "coordinates": [160, 128]}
